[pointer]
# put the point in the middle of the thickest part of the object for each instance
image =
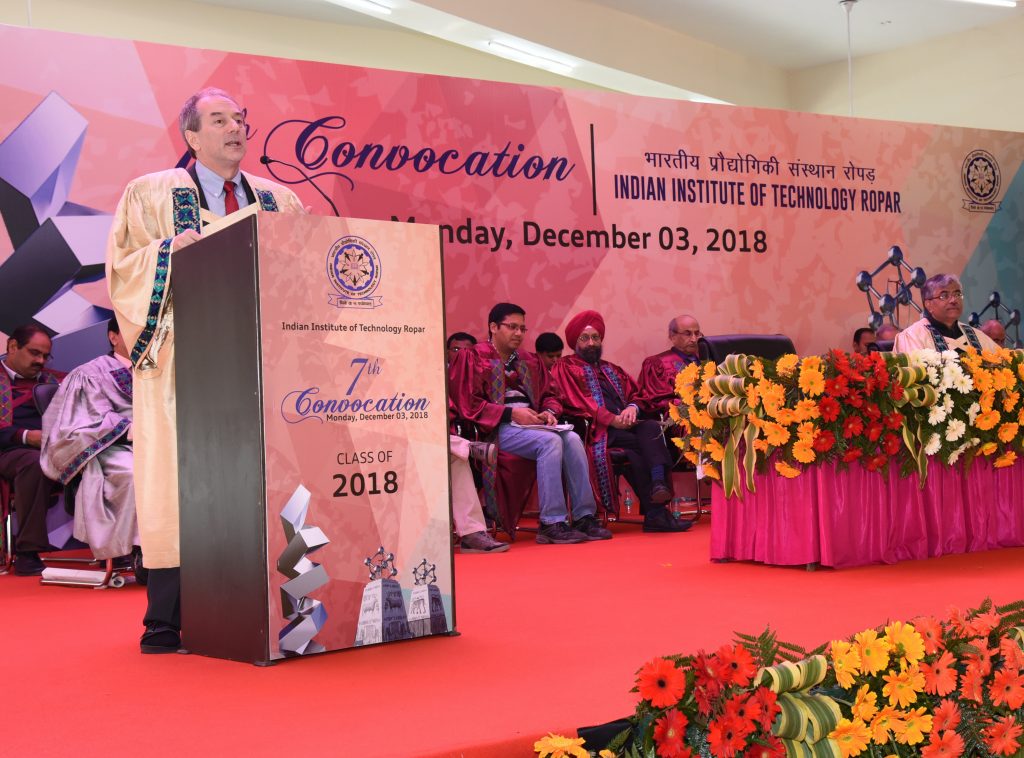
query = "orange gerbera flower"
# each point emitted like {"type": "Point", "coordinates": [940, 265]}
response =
{"type": "Point", "coordinates": [885, 721]}
{"type": "Point", "coordinates": [987, 420]}
{"type": "Point", "coordinates": [902, 688]}
{"type": "Point", "coordinates": [1001, 737]}
{"type": "Point", "coordinates": [726, 736]}
{"type": "Point", "coordinates": [1006, 459]}
{"type": "Point", "coordinates": [812, 382]}
{"type": "Point", "coordinates": [851, 736]}
{"type": "Point", "coordinates": [1010, 400]}
{"type": "Point", "coordinates": [661, 682]}
{"type": "Point", "coordinates": [807, 410]}
{"type": "Point", "coordinates": [931, 633]}
{"type": "Point", "coordinates": [1011, 652]}
{"type": "Point", "coordinates": [971, 684]}
{"type": "Point", "coordinates": [865, 706]}
{"type": "Point", "coordinates": [940, 677]}
{"type": "Point", "coordinates": [874, 651]}
{"type": "Point", "coordinates": [916, 724]}
{"type": "Point", "coordinates": [982, 624]}
{"type": "Point", "coordinates": [904, 642]}
{"type": "Point", "coordinates": [946, 716]}
{"type": "Point", "coordinates": [1007, 687]}
{"type": "Point", "coordinates": [1008, 431]}
{"type": "Point", "coordinates": [948, 745]}
{"type": "Point", "coordinates": [786, 470]}
{"type": "Point", "coordinates": [845, 662]}
{"type": "Point", "coordinates": [776, 434]}
{"type": "Point", "coordinates": [803, 451]}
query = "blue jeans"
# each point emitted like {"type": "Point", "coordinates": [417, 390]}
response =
{"type": "Point", "coordinates": [556, 453]}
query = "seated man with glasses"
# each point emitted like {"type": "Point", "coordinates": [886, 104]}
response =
{"type": "Point", "coordinates": [658, 373]}
{"type": "Point", "coordinates": [503, 390]}
{"type": "Point", "coordinates": [940, 329]}
{"type": "Point", "coordinates": [28, 350]}
{"type": "Point", "coordinates": [609, 399]}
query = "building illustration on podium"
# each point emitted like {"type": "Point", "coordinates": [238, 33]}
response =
{"type": "Point", "coordinates": [426, 609]}
{"type": "Point", "coordinates": [382, 615]}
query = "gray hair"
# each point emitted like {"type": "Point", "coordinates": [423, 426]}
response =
{"type": "Point", "coordinates": [931, 287]}
{"type": "Point", "coordinates": [188, 119]}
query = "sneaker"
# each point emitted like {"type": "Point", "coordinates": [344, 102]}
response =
{"type": "Point", "coordinates": [660, 493]}
{"type": "Point", "coordinates": [28, 564]}
{"type": "Point", "coordinates": [660, 520]}
{"type": "Point", "coordinates": [484, 452]}
{"type": "Point", "coordinates": [481, 542]}
{"type": "Point", "coordinates": [559, 533]}
{"type": "Point", "coordinates": [589, 526]}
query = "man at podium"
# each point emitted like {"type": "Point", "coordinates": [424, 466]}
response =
{"type": "Point", "coordinates": [158, 215]}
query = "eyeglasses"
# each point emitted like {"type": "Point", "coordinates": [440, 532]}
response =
{"type": "Point", "coordinates": [687, 333]}
{"type": "Point", "coordinates": [589, 339]}
{"type": "Point", "coordinates": [944, 296]}
{"type": "Point", "coordinates": [521, 328]}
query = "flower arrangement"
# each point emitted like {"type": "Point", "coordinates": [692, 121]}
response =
{"type": "Point", "coordinates": [928, 686]}
{"type": "Point", "coordinates": [878, 409]}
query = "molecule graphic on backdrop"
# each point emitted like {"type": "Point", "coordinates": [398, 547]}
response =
{"type": "Point", "coordinates": [380, 564]}
{"type": "Point", "coordinates": [995, 303]}
{"type": "Point", "coordinates": [424, 573]}
{"type": "Point", "coordinates": [887, 304]}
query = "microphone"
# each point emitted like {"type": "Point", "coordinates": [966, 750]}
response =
{"type": "Point", "coordinates": [266, 160]}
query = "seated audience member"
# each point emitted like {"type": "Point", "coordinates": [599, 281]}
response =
{"type": "Point", "coordinates": [467, 512]}
{"type": "Point", "coordinates": [861, 339]}
{"type": "Point", "coordinates": [28, 350]}
{"type": "Point", "coordinates": [549, 347]}
{"type": "Point", "coordinates": [886, 333]}
{"type": "Point", "coordinates": [502, 390]}
{"type": "Point", "coordinates": [605, 395]}
{"type": "Point", "coordinates": [87, 431]}
{"type": "Point", "coordinates": [456, 342]}
{"type": "Point", "coordinates": [939, 328]}
{"type": "Point", "coordinates": [658, 373]}
{"type": "Point", "coordinates": [995, 330]}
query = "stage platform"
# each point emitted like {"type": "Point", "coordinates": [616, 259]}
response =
{"type": "Point", "coordinates": [550, 639]}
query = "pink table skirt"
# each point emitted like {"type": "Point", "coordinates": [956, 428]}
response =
{"type": "Point", "coordinates": [851, 518]}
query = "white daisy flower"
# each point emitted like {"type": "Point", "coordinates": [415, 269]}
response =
{"type": "Point", "coordinates": [937, 414]}
{"type": "Point", "coordinates": [933, 445]}
{"type": "Point", "coordinates": [955, 430]}
{"type": "Point", "coordinates": [972, 413]}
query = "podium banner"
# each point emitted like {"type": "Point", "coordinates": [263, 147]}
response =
{"type": "Point", "coordinates": [355, 424]}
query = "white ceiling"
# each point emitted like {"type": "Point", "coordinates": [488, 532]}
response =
{"type": "Point", "coordinates": [788, 34]}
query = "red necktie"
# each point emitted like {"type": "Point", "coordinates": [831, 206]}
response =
{"type": "Point", "coordinates": [230, 201]}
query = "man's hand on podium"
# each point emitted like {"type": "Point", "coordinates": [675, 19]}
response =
{"type": "Point", "coordinates": [184, 239]}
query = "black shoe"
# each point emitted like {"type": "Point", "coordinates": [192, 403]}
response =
{"type": "Point", "coordinates": [660, 520]}
{"type": "Point", "coordinates": [559, 533]}
{"type": "Point", "coordinates": [159, 639]}
{"type": "Point", "coordinates": [660, 493]}
{"type": "Point", "coordinates": [593, 530]}
{"type": "Point", "coordinates": [28, 564]}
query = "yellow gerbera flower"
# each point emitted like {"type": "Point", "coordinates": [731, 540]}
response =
{"type": "Point", "coordinates": [715, 450]}
{"type": "Point", "coordinates": [851, 736]}
{"type": "Point", "coordinates": [901, 687]}
{"type": "Point", "coordinates": [988, 448]}
{"type": "Point", "coordinates": [701, 419]}
{"type": "Point", "coordinates": [807, 431]}
{"type": "Point", "coordinates": [904, 641]}
{"type": "Point", "coordinates": [845, 662]}
{"type": "Point", "coordinates": [812, 382]}
{"type": "Point", "coordinates": [811, 363]}
{"type": "Point", "coordinates": [710, 369]}
{"type": "Point", "coordinates": [785, 416]}
{"type": "Point", "coordinates": [1010, 400]}
{"type": "Point", "coordinates": [557, 746]}
{"type": "Point", "coordinates": [680, 443]}
{"type": "Point", "coordinates": [757, 369]}
{"type": "Point", "coordinates": [786, 365]}
{"type": "Point", "coordinates": [711, 472]}
{"type": "Point", "coordinates": [865, 706]}
{"type": "Point", "coordinates": [874, 651]}
{"type": "Point", "coordinates": [914, 727]}
{"type": "Point", "coordinates": [786, 470]}
{"type": "Point", "coordinates": [1008, 431]}
{"type": "Point", "coordinates": [761, 445]}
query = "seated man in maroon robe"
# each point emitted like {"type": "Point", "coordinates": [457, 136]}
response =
{"type": "Point", "coordinates": [606, 396]}
{"type": "Point", "coordinates": [658, 374]}
{"type": "Point", "coordinates": [21, 437]}
{"type": "Point", "coordinates": [508, 394]}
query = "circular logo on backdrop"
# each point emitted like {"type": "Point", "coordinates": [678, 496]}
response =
{"type": "Point", "coordinates": [353, 267]}
{"type": "Point", "coordinates": [980, 176]}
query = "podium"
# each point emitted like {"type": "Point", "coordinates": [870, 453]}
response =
{"type": "Point", "coordinates": [312, 436]}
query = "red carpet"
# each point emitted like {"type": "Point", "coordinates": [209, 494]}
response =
{"type": "Point", "coordinates": [551, 638]}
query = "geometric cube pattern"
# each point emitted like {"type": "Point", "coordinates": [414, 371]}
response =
{"type": "Point", "coordinates": [306, 616]}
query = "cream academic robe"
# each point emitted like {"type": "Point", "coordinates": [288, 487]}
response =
{"type": "Point", "coordinates": [153, 209]}
{"type": "Point", "coordinates": [917, 336]}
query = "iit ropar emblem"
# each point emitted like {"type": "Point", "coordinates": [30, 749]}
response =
{"type": "Point", "coordinates": [981, 179]}
{"type": "Point", "coordinates": [353, 268]}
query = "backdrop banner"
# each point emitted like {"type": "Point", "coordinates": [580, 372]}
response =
{"type": "Point", "coordinates": [752, 220]}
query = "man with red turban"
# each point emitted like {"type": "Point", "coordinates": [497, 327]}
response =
{"type": "Point", "coordinates": [609, 399]}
